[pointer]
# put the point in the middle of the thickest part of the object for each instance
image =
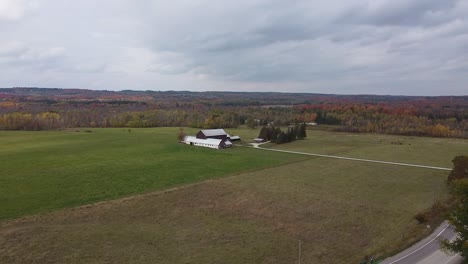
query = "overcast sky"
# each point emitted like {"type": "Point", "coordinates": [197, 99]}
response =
{"type": "Point", "coordinates": [410, 47]}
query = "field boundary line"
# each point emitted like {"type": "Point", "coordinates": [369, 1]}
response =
{"type": "Point", "coordinates": [354, 159]}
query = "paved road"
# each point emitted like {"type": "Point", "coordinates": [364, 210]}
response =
{"type": "Point", "coordinates": [257, 145]}
{"type": "Point", "coordinates": [427, 250]}
{"type": "Point", "coordinates": [424, 252]}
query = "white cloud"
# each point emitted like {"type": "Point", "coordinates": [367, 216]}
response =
{"type": "Point", "coordinates": [15, 9]}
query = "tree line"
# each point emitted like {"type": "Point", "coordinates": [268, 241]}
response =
{"type": "Point", "coordinates": [430, 121]}
{"type": "Point", "coordinates": [276, 135]}
{"type": "Point", "coordinates": [44, 109]}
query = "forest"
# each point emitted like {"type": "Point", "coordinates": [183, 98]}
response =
{"type": "Point", "coordinates": [25, 108]}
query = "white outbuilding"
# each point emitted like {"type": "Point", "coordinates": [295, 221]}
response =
{"type": "Point", "coordinates": [207, 143]}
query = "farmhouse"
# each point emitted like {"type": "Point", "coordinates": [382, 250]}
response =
{"type": "Point", "coordinates": [207, 143]}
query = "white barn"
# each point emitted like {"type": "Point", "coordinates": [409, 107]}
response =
{"type": "Point", "coordinates": [207, 143]}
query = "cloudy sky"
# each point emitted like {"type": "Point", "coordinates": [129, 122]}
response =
{"type": "Point", "coordinates": [410, 47]}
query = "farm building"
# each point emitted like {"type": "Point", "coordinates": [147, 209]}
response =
{"type": "Point", "coordinates": [217, 134]}
{"type": "Point", "coordinates": [207, 143]}
{"type": "Point", "coordinates": [211, 138]}
{"type": "Point", "coordinates": [213, 133]}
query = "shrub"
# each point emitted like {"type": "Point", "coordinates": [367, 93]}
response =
{"type": "Point", "coordinates": [434, 214]}
{"type": "Point", "coordinates": [421, 217]}
{"type": "Point", "coordinates": [460, 168]}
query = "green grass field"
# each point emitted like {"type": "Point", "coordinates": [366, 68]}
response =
{"type": "Point", "coordinates": [341, 210]}
{"type": "Point", "coordinates": [41, 171]}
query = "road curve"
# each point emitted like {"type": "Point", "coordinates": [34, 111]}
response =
{"type": "Point", "coordinates": [427, 251]}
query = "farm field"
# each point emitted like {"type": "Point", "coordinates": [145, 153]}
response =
{"type": "Point", "coordinates": [42, 171]}
{"type": "Point", "coordinates": [417, 150]}
{"type": "Point", "coordinates": [340, 210]}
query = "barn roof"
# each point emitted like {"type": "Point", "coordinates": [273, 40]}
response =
{"type": "Point", "coordinates": [214, 132]}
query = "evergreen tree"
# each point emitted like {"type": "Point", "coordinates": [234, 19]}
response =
{"type": "Point", "coordinates": [277, 131]}
{"type": "Point", "coordinates": [296, 130]}
{"type": "Point", "coordinates": [263, 133]}
{"type": "Point", "coordinates": [270, 132]}
{"type": "Point", "coordinates": [282, 138]}
{"type": "Point", "coordinates": [291, 134]}
{"type": "Point", "coordinates": [274, 134]}
{"type": "Point", "coordinates": [288, 135]}
{"type": "Point", "coordinates": [301, 134]}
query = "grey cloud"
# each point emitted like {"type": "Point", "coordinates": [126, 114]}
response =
{"type": "Point", "coordinates": [19, 56]}
{"type": "Point", "coordinates": [12, 49]}
{"type": "Point", "coordinates": [242, 26]}
{"type": "Point", "coordinates": [332, 47]}
{"type": "Point", "coordinates": [356, 46]}
{"type": "Point", "coordinates": [400, 12]}
{"type": "Point", "coordinates": [232, 52]}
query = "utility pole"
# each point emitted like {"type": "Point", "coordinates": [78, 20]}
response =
{"type": "Point", "coordinates": [300, 244]}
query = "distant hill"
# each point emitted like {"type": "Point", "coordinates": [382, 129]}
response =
{"type": "Point", "coordinates": [223, 98]}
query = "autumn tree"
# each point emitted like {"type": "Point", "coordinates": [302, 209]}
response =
{"type": "Point", "coordinates": [440, 131]}
{"type": "Point", "coordinates": [459, 219]}
{"type": "Point", "coordinates": [181, 135]}
{"type": "Point", "coordinates": [251, 123]}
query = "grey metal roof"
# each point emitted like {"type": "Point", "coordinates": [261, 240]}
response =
{"type": "Point", "coordinates": [214, 132]}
